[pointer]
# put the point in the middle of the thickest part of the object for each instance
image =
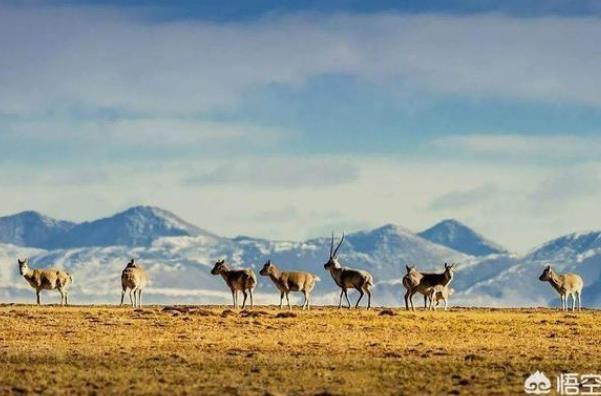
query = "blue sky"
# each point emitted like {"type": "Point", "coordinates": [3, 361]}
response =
{"type": "Point", "coordinates": [288, 119]}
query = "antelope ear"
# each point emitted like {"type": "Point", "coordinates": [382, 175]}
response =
{"type": "Point", "coordinates": [548, 266]}
{"type": "Point", "coordinates": [446, 266]}
{"type": "Point", "coordinates": [21, 261]}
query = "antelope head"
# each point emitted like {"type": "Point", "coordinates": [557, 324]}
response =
{"type": "Point", "coordinates": [219, 267]}
{"type": "Point", "coordinates": [449, 270]}
{"type": "Point", "coordinates": [547, 274]}
{"type": "Point", "coordinates": [333, 260]}
{"type": "Point", "coordinates": [23, 267]}
{"type": "Point", "coordinates": [267, 269]}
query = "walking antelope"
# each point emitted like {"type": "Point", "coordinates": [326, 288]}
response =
{"type": "Point", "coordinates": [566, 285]}
{"type": "Point", "coordinates": [290, 281]}
{"type": "Point", "coordinates": [47, 279]}
{"type": "Point", "coordinates": [135, 279]}
{"type": "Point", "coordinates": [347, 278]}
{"type": "Point", "coordinates": [237, 280]}
{"type": "Point", "coordinates": [416, 281]}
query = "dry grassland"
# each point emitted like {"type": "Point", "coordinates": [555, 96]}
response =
{"type": "Point", "coordinates": [213, 350]}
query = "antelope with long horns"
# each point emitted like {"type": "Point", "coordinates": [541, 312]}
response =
{"type": "Point", "coordinates": [348, 278]}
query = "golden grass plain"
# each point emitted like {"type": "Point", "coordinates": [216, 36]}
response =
{"type": "Point", "coordinates": [216, 350]}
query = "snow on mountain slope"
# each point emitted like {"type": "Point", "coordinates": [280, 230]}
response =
{"type": "Point", "coordinates": [575, 245]}
{"type": "Point", "coordinates": [460, 237]}
{"type": "Point", "coordinates": [519, 284]}
{"type": "Point", "coordinates": [31, 229]}
{"type": "Point", "coordinates": [179, 265]}
{"type": "Point", "coordinates": [137, 226]}
{"type": "Point", "coordinates": [11, 284]}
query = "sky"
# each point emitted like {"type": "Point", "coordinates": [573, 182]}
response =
{"type": "Point", "coordinates": [289, 120]}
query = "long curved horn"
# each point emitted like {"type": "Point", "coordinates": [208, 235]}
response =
{"type": "Point", "coordinates": [332, 245]}
{"type": "Point", "coordinates": [338, 247]}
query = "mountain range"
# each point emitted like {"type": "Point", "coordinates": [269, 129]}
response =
{"type": "Point", "coordinates": [179, 255]}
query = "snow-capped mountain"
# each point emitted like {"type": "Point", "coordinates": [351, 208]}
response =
{"type": "Point", "coordinates": [518, 284]}
{"type": "Point", "coordinates": [179, 265]}
{"type": "Point", "coordinates": [137, 226]}
{"type": "Point", "coordinates": [460, 237]}
{"type": "Point", "coordinates": [179, 257]}
{"type": "Point", "coordinates": [569, 246]}
{"type": "Point", "coordinates": [32, 229]}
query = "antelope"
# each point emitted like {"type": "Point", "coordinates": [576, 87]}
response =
{"type": "Point", "coordinates": [416, 281]}
{"type": "Point", "coordinates": [47, 279]}
{"type": "Point", "coordinates": [347, 278]}
{"type": "Point", "coordinates": [410, 282]}
{"type": "Point", "coordinates": [566, 285]}
{"type": "Point", "coordinates": [438, 293]}
{"type": "Point", "coordinates": [290, 281]}
{"type": "Point", "coordinates": [237, 280]}
{"type": "Point", "coordinates": [135, 279]}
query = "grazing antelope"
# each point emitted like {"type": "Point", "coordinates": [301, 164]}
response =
{"type": "Point", "coordinates": [566, 285]}
{"type": "Point", "coordinates": [416, 281]}
{"type": "Point", "coordinates": [135, 279]}
{"type": "Point", "coordinates": [237, 280]}
{"type": "Point", "coordinates": [347, 278]}
{"type": "Point", "coordinates": [47, 279]}
{"type": "Point", "coordinates": [290, 281]}
{"type": "Point", "coordinates": [439, 293]}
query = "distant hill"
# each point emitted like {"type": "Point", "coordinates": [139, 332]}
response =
{"type": "Point", "coordinates": [136, 226]}
{"type": "Point", "coordinates": [32, 229]}
{"type": "Point", "coordinates": [179, 256]}
{"type": "Point", "coordinates": [460, 237]}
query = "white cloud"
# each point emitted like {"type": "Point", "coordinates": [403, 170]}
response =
{"type": "Point", "coordinates": [148, 132]}
{"type": "Point", "coordinates": [567, 186]}
{"type": "Point", "coordinates": [66, 60]}
{"type": "Point", "coordinates": [62, 57]}
{"type": "Point", "coordinates": [383, 191]}
{"type": "Point", "coordinates": [514, 145]}
{"type": "Point", "coordinates": [463, 198]}
{"type": "Point", "coordinates": [287, 172]}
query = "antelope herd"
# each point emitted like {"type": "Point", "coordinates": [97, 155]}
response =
{"type": "Point", "coordinates": [435, 287]}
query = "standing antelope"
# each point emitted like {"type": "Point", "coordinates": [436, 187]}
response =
{"type": "Point", "coordinates": [47, 279]}
{"type": "Point", "coordinates": [347, 278]}
{"type": "Point", "coordinates": [416, 281]}
{"type": "Point", "coordinates": [566, 285]}
{"type": "Point", "coordinates": [135, 279]}
{"type": "Point", "coordinates": [410, 282]}
{"type": "Point", "coordinates": [237, 280]}
{"type": "Point", "coordinates": [438, 293]}
{"type": "Point", "coordinates": [290, 281]}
